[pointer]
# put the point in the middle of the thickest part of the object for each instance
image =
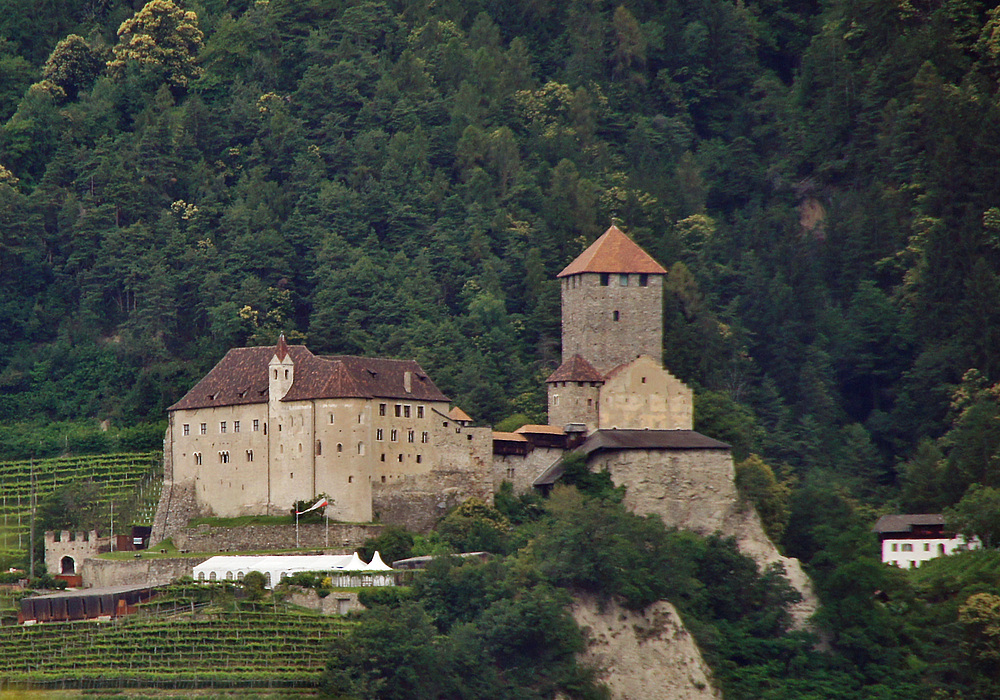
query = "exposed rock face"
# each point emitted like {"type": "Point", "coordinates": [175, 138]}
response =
{"type": "Point", "coordinates": [646, 655]}
{"type": "Point", "coordinates": [694, 490]}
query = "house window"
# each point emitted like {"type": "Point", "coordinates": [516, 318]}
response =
{"type": "Point", "coordinates": [398, 409]}
{"type": "Point", "coordinates": [224, 457]}
{"type": "Point", "coordinates": [286, 374]}
{"type": "Point", "coordinates": [605, 279]}
{"type": "Point", "coordinates": [895, 547]}
{"type": "Point", "coordinates": [340, 447]}
{"type": "Point", "coordinates": [381, 409]}
{"type": "Point", "coordinates": [425, 437]}
{"type": "Point", "coordinates": [378, 434]}
{"type": "Point", "coordinates": [623, 280]}
{"type": "Point", "coordinates": [361, 418]}
{"type": "Point", "coordinates": [419, 459]}
{"type": "Point", "coordinates": [275, 374]}
{"type": "Point", "coordinates": [361, 448]}
{"type": "Point", "coordinates": [420, 411]}
{"type": "Point", "coordinates": [256, 425]}
{"type": "Point", "coordinates": [614, 315]}
{"type": "Point", "coordinates": [643, 280]}
{"type": "Point", "coordinates": [907, 547]}
{"type": "Point", "coordinates": [406, 411]}
{"type": "Point", "coordinates": [393, 435]}
{"type": "Point", "coordinates": [204, 428]}
{"type": "Point", "coordinates": [319, 447]}
{"type": "Point", "coordinates": [187, 429]}
{"type": "Point", "coordinates": [249, 455]}
{"type": "Point", "coordinates": [410, 436]}
{"type": "Point", "coordinates": [399, 458]}
{"type": "Point", "coordinates": [383, 457]}
{"type": "Point", "coordinates": [236, 426]}
{"type": "Point", "coordinates": [927, 546]}
{"type": "Point", "coordinates": [350, 479]}
{"type": "Point", "coordinates": [197, 458]}
{"type": "Point", "coordinates": [383, 478]}
{"type": "Point", "coordinates": [331, 419]}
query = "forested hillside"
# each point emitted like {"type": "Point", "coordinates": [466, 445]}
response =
{"type": "Point", "coordinates": [406, 178]}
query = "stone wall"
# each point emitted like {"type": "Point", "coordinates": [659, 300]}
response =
{"type": "Point", "coordinates": [337, 603]}
{"type": "Point", "coordinates": [343, 537]}
{"type": "Point", "coordinates": [101, 573]}
{"type": "Point", "coordinates": [648, 654]}
{"type": "Point", "coordinates": [79, 546]}
{"type": "Point", "coordinates": [520, 470]}
{"type": "Point", "coordinates": [417, 501]}
{"type": "Point", "coordinates": [694, 490]}
{"type": "Point", "coordinates": [176, 507]}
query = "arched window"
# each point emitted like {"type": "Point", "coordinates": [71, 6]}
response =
{"type": "Point", "coordinates": [201, 576]}
{"type": "Point", "coordinates": [267, 579]}
{"type": "Point", "coordinates": [211, 576]}
{"type": "Point", "coordinates": [239, 575]}
{"type": "Point", "coordinates": [229, 575]}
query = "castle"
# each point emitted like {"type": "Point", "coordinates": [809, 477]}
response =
{"type": "Point", "coordinates": [268, 426]}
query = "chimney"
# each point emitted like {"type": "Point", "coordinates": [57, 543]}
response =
{"type": "Point", "coordinates": [408, 382]}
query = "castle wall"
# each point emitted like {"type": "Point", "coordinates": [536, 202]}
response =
{"type": "Point", "coordinates": [613, 324]}
{"type": "Point", "coordinates": [644, 396]}
{"type": "Point", "coordinates": [344, 538]}
{"type": "Point", "coordinates": [78, 546]}
{"type": "Point", "coordinates": [521, 471]}
{"type": "Point", "coordinates": [463, 470]}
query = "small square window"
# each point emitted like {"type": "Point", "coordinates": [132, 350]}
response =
{"type": "Point", "coordinates": [643, 280]}
{"type": "Point", "coordinates": [236, 426]}
{"type": "Point", "coordinates": [406, 411]}
{"type": "Point", "coordinates": [623, 280]}
{"type": "Point", "coordinates": [204, 428]}
{"type": "Point", "coordinates": [381, 409]}
{"type": "Point", "coordinates": [187, 429]}
{"type": "Point", "coordinates": [419, 459]}
{"type": "Point", "coordinates": [420, 411]}
{"type": "Point", "coordinates": [256, 425]}
{"type": "Point", "coordinates": [605, 279]}
{"type": "Point", "coordinates": [399, 458]}
{"type": "Point", "coordinates": [399, 410]}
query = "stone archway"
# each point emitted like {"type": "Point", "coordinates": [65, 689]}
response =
{"type": "Point", "coordinates": [67, 565]}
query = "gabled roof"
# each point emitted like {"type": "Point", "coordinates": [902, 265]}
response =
{"type": "Point", "coordinates": [614, 252]}
{"type": "Point", "coordinates": [533, 429]}
{"type": "Point", "coordinates": [458, 415]}
{"type": "Point", "coordinates": [602, 440]}
{"type": "Point", "coordinates": [575, 369]}
{"type": "Point", "coordinates": [509, 437]}
{"type": "Point", "coordinates": [241, 378]}
{"type": "Point", "coordinates": [906, 523]}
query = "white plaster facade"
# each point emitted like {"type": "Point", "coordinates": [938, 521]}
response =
{"type": "Point", "coordinates": [911, 553]}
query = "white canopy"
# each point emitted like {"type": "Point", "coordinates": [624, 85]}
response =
{"type": "Point", "coordinates": [278, 566]}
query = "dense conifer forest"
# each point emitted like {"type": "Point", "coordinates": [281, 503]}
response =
{"type": "Point", "coordinates": [405, 178]}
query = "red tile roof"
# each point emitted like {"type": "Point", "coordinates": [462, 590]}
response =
{"type": "Point", "coordinates": [457, 414]}
{"type": "Point", "coordinates": [614, 252]}
{"type": "Point", "coordinates": [241, 378]}
{"type": "Point", "coordinates": [540, 430]}
{"type": "Point", "coordinates": [575, 369]}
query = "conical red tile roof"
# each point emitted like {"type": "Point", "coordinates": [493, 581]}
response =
{"type": "Point", "coordinates": [575, 369]}
{"type": "Point", "coordinates": [616, 253]}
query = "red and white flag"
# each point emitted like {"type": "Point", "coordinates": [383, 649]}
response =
{"type": "Point", "coordinates": [318, 504]}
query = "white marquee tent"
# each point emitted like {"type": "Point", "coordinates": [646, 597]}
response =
{"type": "Point", "coordinates": [354, 571]}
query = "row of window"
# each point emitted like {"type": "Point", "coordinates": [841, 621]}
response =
{"type": "Point", "coordinates": [223, 457]}
{"type": "Point", "coordinates": [907, 547]}
{"type": "Point", "coordinates": [623, 280]}
{"type": "Point", "coordinates": [411, 436]}
{"type": "Point", "coordinates": [223, 426]}
{"type": "Point", "coordinates": [401, 410]}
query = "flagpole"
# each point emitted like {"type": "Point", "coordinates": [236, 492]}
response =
{"type": "Point", "coordinates": [327, 519]}
{"type": "Point", "coordinates": [296, 528]}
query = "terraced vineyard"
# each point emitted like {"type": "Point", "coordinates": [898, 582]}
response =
{"type": "Point", "coordinates": [131, 480]}
{"type": "Point", "coordinates": [244, 649]}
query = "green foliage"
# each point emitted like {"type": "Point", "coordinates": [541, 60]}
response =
{"type": "Point", "coordinates": [161, 41]}
{"type": "Point", "coordinates": [758, 485]}
{"type": "Point", "coordinates": [254, 585]}
{"type": "Point", "coordinates": [315, 516]}
{"type": "Point", "coordinates": [77, 506]}
{"type": "Point", "coordinates": [977, 515]}
{"type": "Point", "coordinates": [475, 526]}
{"type": "Point", "coordinates": [599, 485]}
{"type": "Point", "coordinates": [73, 65]}
{"type": "Point", "coordinates": [392, 544]}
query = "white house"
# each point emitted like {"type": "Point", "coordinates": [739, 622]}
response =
{"type": "Point", "coordinates": [347, 570]}
{"type": "Point", "coordinates": [909, 540]}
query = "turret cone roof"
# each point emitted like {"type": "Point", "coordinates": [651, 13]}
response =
{"type": "Point", "coordinates": [614, 252]}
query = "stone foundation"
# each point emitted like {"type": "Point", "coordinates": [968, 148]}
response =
{"type": "Point", "coordinates": [344, 538]}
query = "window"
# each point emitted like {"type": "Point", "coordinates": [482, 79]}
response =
{"type": "Point", "coordinates": [300, 448]}
{"type": "Point", "coordinates": [224, 457]}
{"type": "Point", "coordinates": [410, 436]}
{"type": "Point", "coordinates": [256, 425]}
{"type": "Point", "coordinates": [381, 409]}
{"type": "Point", "coordinates": [361, 417]}
{"type": "Point", "coordinates": [236, 426]}
{"type": "Point", "coordinates": [399, 458]}
{"type": "Point", "coordinates": [605, 279]}
{"type": "Point", "coordinates": [249, 455]}
{"type": "Point", "coordinates": [201, 575]}
{"type": "Point", "coordinates": [187, 429]}
{"type": "Point", "coordinates": [623, 280]}
{"type": "Point", "coordinates": [383, 457]}
{"type": "Point", "coordinates": [614, 315]}
{"type": "Point", "coordinates": [229, 575]}
{"type": "Point", "coordinates": [643, 280]}
{"type": "Point", "coordinates": [286, 374]}
{"type": "Point", "coordinates": [379, 434]}
{"type": "Point", "coordinates": [927, 547]}
{"type": "Point", "coordinates": [425, 437]}
{"type": "Point", "coordinates": [275, 374]}
{"type": "Point", "coordinates": [419, 459]}
{"type": "Point", "coordinates": [331, 419]}
{"type": "Point", "coordinates": [319, 447]}
{"type": "Point", "coordinates": [383, 478]}
{"type": "Point", "coordinates": [895, 547]}
{"type": "Point", "coordinates": [340, 447]}
{"type": "Point", "coordinates": [399, 410]}
{"type": "Point", "coordinates": [420, 411]}
{"type": "Point", "coordinates": [211, 576]}
{"type": "Point", "coordinates": [361, 448]}
{"type": "Point", "coordinates": [204, 428]}
{"type": "Point", "coordinates": [393, 435]}
{"type": "Point", "coordinates": [197, 458]}
{"type": "Point", "coordinates": [406, 411]}
{"type": "Point", "coordinates": [350, 479]}
{"type": "Point", "coordinates": [907, 547]}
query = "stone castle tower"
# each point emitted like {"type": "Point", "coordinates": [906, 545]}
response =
{"type": "Point", "coordinates": [612, 373]}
